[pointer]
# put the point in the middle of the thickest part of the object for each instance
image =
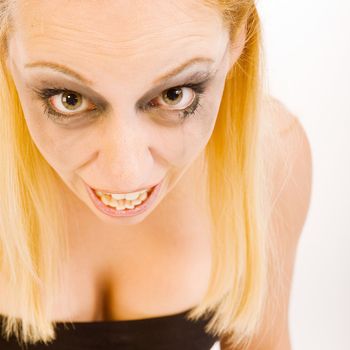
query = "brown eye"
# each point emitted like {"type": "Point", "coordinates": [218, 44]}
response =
{"type": "Point", "coordinates": [172, 96]}
{"type": "Point", "coordinates": [69, 101]}
{"type": "Point", "coordinates": [179, 97]}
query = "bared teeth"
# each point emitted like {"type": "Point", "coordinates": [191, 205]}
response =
{"type": "Point", "coordinates": [121, 204]}
{"type": "Point", "coordinates": [128, 196]}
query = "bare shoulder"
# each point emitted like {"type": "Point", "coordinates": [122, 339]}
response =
{"type": "Point", "coordinates": [287, 154]}
{"type": "Point", "coordinates": [275, 112]}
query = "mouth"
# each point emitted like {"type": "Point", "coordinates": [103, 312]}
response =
{"type": "Point", "coordinates": [115, 206]}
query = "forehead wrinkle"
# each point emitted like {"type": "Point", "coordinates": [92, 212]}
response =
{"type": "Point", "coordinates": [114, 30]}
{"type": "Point", "coordinates": [98, 58]}
{"type": "Point", "coordinates": [92, 51]}
{"type": "Point", "coordinates": [85, 45]}
{"type": "Point", "coordinates": [125, 39]}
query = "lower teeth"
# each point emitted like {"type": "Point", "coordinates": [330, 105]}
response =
{"type": "Point", "coordinates": [119, 206]}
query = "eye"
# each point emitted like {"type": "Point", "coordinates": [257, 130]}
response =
{"type": "Point", "coordinates": [178, 98]}
{"type": "Point", "coordinates": [70, 103]}
{"type": "Point", "coordinates": [63, 105]}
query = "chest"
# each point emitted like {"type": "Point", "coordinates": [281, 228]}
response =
{"type": "Point", "coordinates": [161, 266]}
{"type": "Point", "coordinates": [149, 278]}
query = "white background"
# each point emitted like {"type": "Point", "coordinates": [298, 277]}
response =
{"type": "Point", "coordinates": [307, 50]}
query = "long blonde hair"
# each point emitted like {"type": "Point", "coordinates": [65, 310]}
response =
{"type": "Point", "coordinates": [33, 238]}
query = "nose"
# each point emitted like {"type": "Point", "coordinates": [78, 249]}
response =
{"type": "Point", "coordinates": [124, 162]}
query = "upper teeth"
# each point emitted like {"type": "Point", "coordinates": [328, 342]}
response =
{"type": "Point", "coordinates": [128, 196]}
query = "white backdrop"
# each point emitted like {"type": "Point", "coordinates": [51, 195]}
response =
{"type": "Point", "coordinates": [307, 48]}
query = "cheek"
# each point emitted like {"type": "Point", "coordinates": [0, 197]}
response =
{"type": "Point", "coordinates": [61, 151]}
{"type": "Point", "coordinates": [53, 144]}
{"type": "Point", "coordinates": [65, 152]}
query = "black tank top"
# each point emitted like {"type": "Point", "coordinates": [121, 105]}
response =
{"type": "Point", "coordinates": [170, 332]}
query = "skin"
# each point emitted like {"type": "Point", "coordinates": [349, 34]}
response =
{"type": "Point", "coordinates": [126, 148]}
{"type": "Point", "coordinates": [122, 55]}
{"type": "Point", "coordinates": [112, 274]}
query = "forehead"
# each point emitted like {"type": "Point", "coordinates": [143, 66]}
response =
{"type": "Point", "coordinates": [138, 34]}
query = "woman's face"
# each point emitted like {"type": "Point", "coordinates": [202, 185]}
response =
{"type": "Point", "coordinates": [128, 121]}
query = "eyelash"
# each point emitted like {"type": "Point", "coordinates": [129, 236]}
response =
{"type": "Point", "coordinates": [46, 93]}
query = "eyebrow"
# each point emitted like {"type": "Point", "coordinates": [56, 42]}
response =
{"type": "Point", "coordinates": [164, 77]}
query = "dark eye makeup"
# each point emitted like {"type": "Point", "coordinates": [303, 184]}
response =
{"type": "Point", "coordinates": [46, 93]}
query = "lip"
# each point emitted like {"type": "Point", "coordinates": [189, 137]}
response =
{"type": "Point", "coordinates": [138, 190]}
{"type": "Point", "coordinates": [126, 212]}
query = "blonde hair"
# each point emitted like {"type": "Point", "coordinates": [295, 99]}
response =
{"type": "Point", "coordinates": [33, 237]}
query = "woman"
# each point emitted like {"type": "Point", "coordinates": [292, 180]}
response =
{"type": "Point", "coordinates": [147, 183]}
